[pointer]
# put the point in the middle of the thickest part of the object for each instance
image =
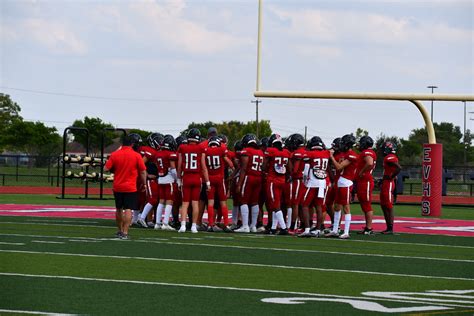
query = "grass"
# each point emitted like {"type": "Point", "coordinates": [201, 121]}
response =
{"type": "Point", "coordinates": [76, 266]}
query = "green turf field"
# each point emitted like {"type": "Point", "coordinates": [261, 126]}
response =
{"type": "Point", "coordinates": [76, 266]}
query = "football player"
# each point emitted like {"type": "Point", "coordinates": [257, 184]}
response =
{"type": "Point", "coordinates": [391, 168]}
{"type": "Point", "coordinates": [317, 158]}
{"type": "Point", "coordinates": [365, 181]}
{"type": "Point", "coordinates": [216, 159]}
{"type": "Point", "coordinates": [347, 167]}
{"type": "Point", "coordinates": [333, 177]}
{"type": "Point", "coordinates": [250, 181]}
{"type": "Point", "coordinates": [151, 194]}
{"type": "Point", "coordinates": [165, 160]}
{"type": "Point", "coordinates": [191, 170]}
{"type": "Point", "coordinates": [234, 180]}
{"type": "Point", "coordinates": [297, 145]}
{"type": "Point", "coordinates": [277, 165]}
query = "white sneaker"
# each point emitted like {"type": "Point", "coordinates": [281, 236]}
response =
{"type": "Point", "coordinates": [261, 229]}
{"type": "Point", "coordinates": [142, 223]}
{"type": "Point", "coordinates": [243, 229]}
{"type": "Point", "coordinates": [158, 226]}
{"type": "Point", "coordinates": [253, 229]}
{"type": "Point", "coordinates": [182, 229]}
{"type": "Point", "coordinates": [344, 236]}
{"type": "Point", "coordinates": [150, 224]}
{"type": "Point", "coordinates": [167, 227]}
{"type": "Point", "coordinates": [233, 226]}
{"type": "Point", "coordinates": [315, 233]}
{"type": "Point", "coordinates": [305, 235]}
{"type": "Point", "coordinates": [194, 229]}
{"type": "Point", "coordinates": [332, 234]}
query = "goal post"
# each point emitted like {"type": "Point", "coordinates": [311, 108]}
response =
{"type": "Point", "coordinates": [432, 161]}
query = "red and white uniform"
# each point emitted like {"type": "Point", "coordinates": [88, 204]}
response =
{"type": "Point", "coordinates": [278, 161]}
{"type": "Point", "coordinates": [152, 192]}
{"type": "Point", "coordinates": [252, 182]}
{"type": "Point", "coordinates": [166, 180]}
{"type": "Point", "coordinates": [215, 167]}
{"type": "Point", "coordinates": [296, 185]}
{"type": "Point", "coordinates": [191, 168]}
{"type": "Point", "coordinates": [365, 183]}
{"type": "Point", "coordinates": [388, 185]}
{"type": "Point", "coordinates": [346, 178]}
{"type": "Point", "coordinates": [316, 183]}
{"type": "Point", "coordinates": [332, 187]}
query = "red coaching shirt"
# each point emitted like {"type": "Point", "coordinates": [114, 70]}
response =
{"type": "Point", "coordinates": [125, 163]}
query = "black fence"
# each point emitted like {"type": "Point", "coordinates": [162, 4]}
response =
{"type": "Point", "coordinates": [22, 170]}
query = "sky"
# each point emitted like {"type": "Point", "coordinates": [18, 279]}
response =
{"type": "Point", "coordinates": [159, 65]}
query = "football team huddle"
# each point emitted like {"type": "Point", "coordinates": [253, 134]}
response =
{"type": "Point", "coordinates": [298, 182]}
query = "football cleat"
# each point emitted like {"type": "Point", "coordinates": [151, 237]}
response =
{"type": "Point", "coordinates": [387, 232]}
{"type": "Point", "coordinates": [194, 230]}
{"type": "Point", "coordinates": [344, 236]}
{"type": "Point", "coordinates": [150, 224]}
{"type": "Point", "coordinates": [234, 226]}
{"type": "Point", "coordinates": [167, 227]}
{"type": "Point", "coordinates": [305, 235]}
{"type": "Point", "coordinates": [227, 229]}
{"type": "Point", "coordinates": [369, 232]}
{"type": "Point", "coordinates": [283, 232]}
{"type": "Point", "coordinates": [209, 229]}
{"type": "Point", "coordinates": [118, 234]}
{"type": "Point", "coordinates": [315, 233]}
{"type": "Point", "coordinates": [243, 229]}
{"type": "Point", "coordinates": [261, 229]}
{"type": "Point", "coordinates": [124, 237]}
{"type": "Point", "coordinates": [142, 223]}
{"type": "Point", "coordinates": [332, 234]}
{"type": "Point", "coordinates": [158, 227]}
{"type": "Point", "coordinates": [253, 229]}
{"type": "Point", "coordinates": [182, 229]}
{"type": "Point", "coordinates": [216, 229]}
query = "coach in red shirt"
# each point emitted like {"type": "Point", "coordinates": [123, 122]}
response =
{"type": "Point", "coordinates": [126, 164]}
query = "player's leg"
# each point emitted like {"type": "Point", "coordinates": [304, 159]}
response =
{"type": "Point", "coordinates": [245, 199]}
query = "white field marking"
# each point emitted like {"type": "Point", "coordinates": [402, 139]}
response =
{"type": "Point", "coordinates": [61, 209]}
{"type": "Point", "coordinates": [59, 221]}
{"type": "Point", "coordinates": [357, 304]}
{"type": "Point", "coordinates": [243, 264]}
{"type": "Point", "coordinates": [314, 251]}
{"type": "Point", "coordinates": [32, 312]}
{"type": "Point", "coordinates": [49, 224]}
{"type": "Point", "coordinates": [453, 291]}
{"type": "Point", "coordinates": [469, 229]}
{"type": "Point", "coordinates": [62, 237]}
{"type": "Point", "coordinates": [83, 240]}
{"type": "Point", "coordinates": [253, 248]}
{"type": "Point", "coordinates": [12, 243]}
{"type": "Point", "coordinates": [47, 242]}
{"type": "Point", "coordinates": [214, 237]}
{"type": "Point", "coordinates": [67, 277]}
{"type": "Point", "coordinates": [188, 238]}
{"type": "Point", "coordinates": [253, 236]}
{"type": "Point", "coordinates": [146, 239]}
{"type": "Point", "coordinates": [410, 296]}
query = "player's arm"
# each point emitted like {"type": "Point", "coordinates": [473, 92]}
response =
{"type": "Point", "coordinates": [179, 169]}
{"type": "Point", "coordinates": [173, 170]}
{"type": "Point", "coordinates": [289, 171]}
{"type": "Point", "coordinates": [339, 165]}
{"type": "Point", "coordinates": [109, 165]}
{"type": "Point", "coordinates": [265, 163]}
{"type": "Point", "coordinates": [398, 168]}
{"type": "Point", "coordinates": [244, 160]}
{"type": "Point", "coordinates": [142, 175]}
{"type": "Point", "coordinates": [205, 174]}
{"type": "Point", "coordinates": [369, 163]}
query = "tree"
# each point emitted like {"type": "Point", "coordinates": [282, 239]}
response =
{"type": "Point", "coordinates": [95, 126]}
{"type": "Point", "coordinates": [234, 130]}
{"type": "Point", "coordinates": [361, 132]}
{"type": "Point", "coordinates": [34, 138]}
{"type": "Point", "coordinates": [9, 113]}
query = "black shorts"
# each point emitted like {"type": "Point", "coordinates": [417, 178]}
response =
{"type": "Point", "coordinates": [126, 200]}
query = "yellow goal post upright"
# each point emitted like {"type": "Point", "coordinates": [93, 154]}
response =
{"type": "Point", "coordinates": [432, 159]}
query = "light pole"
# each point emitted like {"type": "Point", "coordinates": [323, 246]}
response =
{"type": "Point", "coordinates": [256, 112]}
{"type": "Point", "coordinates": [464, 138]}
{"type": "Point", "coordinates": [432, 91]}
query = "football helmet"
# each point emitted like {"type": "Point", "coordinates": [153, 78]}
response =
{"type": "Point", "coordinates": [249, 140]}
{"type": "Point", "coordinates": [275, 141]}
{"type": "Point", "coordinates": [389, 148]}
{"type": "Point", "coordinates": [347, 141]}
{"type": "Point", "coordinates": [297, 140]}
{"type": "Point", "coordinates": [366, 142]}
{"type": "Point", "coordinates": [288, 143]}
{"type": "Point", "coordinates": [238, 145]}
{"type": "Point", "coordinates": [223, 138]}
{"type": "Point", "coordinates": [264, 142]}
{"type": "Point", "coordinates": [212, 131]}
{"type": "Point", "coordinates": [316, 143]}
{"type": "Point", "coordinates": [214, 141]}
{"type": "Point", "coordinates": [336, 144]}
{"type": "Point", "coordinates": [154, 140]}
{"type": "Point", "coordinates": [194, 135]}
{"type": "Point", "coordinates": [169, 143]}
{"type": "Point", "coordinates": [181, 140]}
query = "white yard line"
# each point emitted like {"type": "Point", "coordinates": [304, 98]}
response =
{"type": "Point", "coordinates": [83, 240]}
{"type": "Point", "coordinates": [66, 277]}
{"type": "Point", "coordinates": [258, 265]}
{"type": "Point", "coordinates": [342, 253]}
{"type": "Point", "coordinates": [32, 312]}
{"type": "Point", "coordinates": [12, 243]}
{"type": "Point", "coordinates": [48, 242]}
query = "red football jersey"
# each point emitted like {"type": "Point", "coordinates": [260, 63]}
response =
{"type": "Point", "coordinates": [191, 157]}
{"type": "Point", "coordinates": [277, 163]}
{"type": "Point", "coordinates": [298, 154]}
{"type": "Point", "coordinates": [361, 163]}
{"type": "Point", "coordinates": [215, 160]}
{"type": "Point", "coordinates": [147, 151]}
{"type": "Point", "coordinates": [162, 160]}
{"type": "Point", "coordinates": [318, 162]}
{"type": "Point", "coordinates": [388, 164]}
{"type": "Point", "coordinates": [349, 172]}
{"type": "Point", "coordinates": [254, 165]}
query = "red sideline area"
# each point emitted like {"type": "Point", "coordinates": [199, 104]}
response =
{"type": "Point", "coordinates": [428, 226]}
{"type": "Point", "coordinates": [49, 190]}
{"type": "Point", "coordinates": [447, 200]}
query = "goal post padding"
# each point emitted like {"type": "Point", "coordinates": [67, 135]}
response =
{"type": "Point", "coordinates": [432, 180]}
